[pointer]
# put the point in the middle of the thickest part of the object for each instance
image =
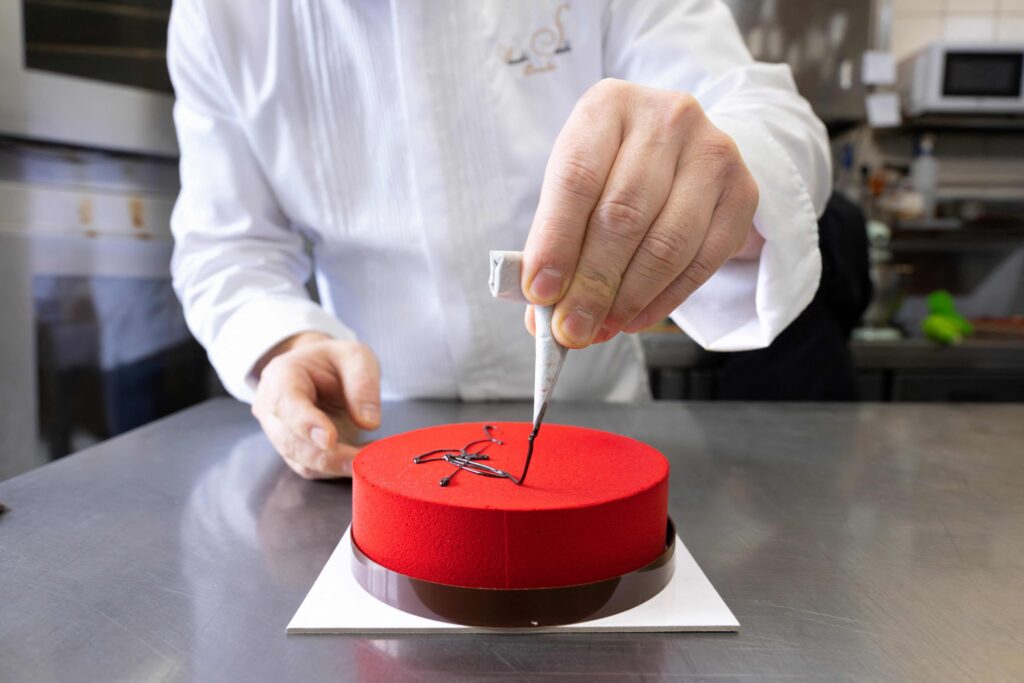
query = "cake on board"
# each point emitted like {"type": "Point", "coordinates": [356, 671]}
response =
{"type": "Point", "coordinates": [587, 529]}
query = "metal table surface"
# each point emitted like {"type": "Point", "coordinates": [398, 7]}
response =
{"type": "Point", "coordinates": [853, 542]}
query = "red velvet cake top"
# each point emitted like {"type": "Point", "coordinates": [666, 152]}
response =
{"type": "Point", "coordinates": [594, 506]}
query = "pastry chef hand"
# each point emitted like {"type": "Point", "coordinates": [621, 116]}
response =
{"type": "Point", "coordinates": [643, 200]}
{"type": "Point", "coordinates": [313, 396]}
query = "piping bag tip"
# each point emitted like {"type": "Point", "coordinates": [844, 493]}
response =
{"type": "Point", "coordinates": [550, 357]}
{"type": "Point", "coordinates": [538, 416]}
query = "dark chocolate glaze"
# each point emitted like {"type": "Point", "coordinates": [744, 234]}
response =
{"type": "Point", "coordinates": [470, 461]}
{"type": "Point", "coordinates": [518, 608]}
{"type": "Point", "coordinates": [529, 452]}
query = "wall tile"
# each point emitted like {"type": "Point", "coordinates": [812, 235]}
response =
{"type": "Point", "coordinates": [970, 27]}
{"type": "Point", "coordinates": [913, 33]}
{"type": "Point", "coordinates": [1010, 27]}
{"type": "Point", "coordinates": [972, 5]}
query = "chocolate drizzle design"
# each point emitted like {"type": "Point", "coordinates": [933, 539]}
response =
{"type": "Point", "coordinates": [469, 460]}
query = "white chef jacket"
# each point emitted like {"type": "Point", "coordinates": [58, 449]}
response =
{"type": "Point", "coordinates": [403, 140]}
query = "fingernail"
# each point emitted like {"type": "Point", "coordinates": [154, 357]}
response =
{"type": "Point", "coordinates": [321, 438]}
{"type": "Point", "coordinates": [370, 413]}
{"type": "Point", "coordinates": [547, 285]}
{"type": "Point", "coordinates": [578, 327]}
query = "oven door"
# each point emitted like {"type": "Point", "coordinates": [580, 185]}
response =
{"type": "Point", "coordinates": [86, 73]}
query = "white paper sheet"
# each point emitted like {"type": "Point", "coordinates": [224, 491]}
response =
{"type": "Point", "coordinates": [878, 68]}
{"type": "Point", "coordinates": [338, 604]}
{"type": "Point", "coordinates": [884, 110]}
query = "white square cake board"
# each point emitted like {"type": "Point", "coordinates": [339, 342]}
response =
{"type": "Point", "coordinates": [338, 604]}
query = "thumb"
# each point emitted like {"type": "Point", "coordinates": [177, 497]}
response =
{"type": "Point", "coordinates": [360, 384]}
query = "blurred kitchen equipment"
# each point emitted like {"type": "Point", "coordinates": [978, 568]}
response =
{"type": "Point", "coordinates": [85, 293]}
{"type": "Point", "coordinates": [87, 73]}
{"type": "Point", "coordinates": [890, 286]}
{"type": "Point", "coordinates": [980, 78]}
{"type": "Point", "coordinates": [1009, 327]}
{"type": "Point", "coordinates": [823, 42]}
{"type": "Point", "coordinates": [890, 280]}
{"type": "Point", "coordinates": [924, 174]}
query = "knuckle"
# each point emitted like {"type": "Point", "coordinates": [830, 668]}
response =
{"type": "Point", "coordinates": [721, 150]}
{"type": "Point", "coordinates": [281, 406]}
{"type": "Point", "coordinates": [604, 88]}
{"type": "Point", "coordinates": [289, 447]}
{"type": "Point", "coordinates": [747, 189]}
{"type": "Point", "coordinates": [575, 176]}
{"type": "Point", "coordinates": [362, 367]}
{"type": "Point", "coordinates": [320, 462]}
{"type": "Point", "coordinates": [687, 284]}
{"type": "Point", "coordinates": [620, 217]}
{"type": "Point", "coordinates": [277, 406]}
{"type": "Point", "coordinates": [627, 306]}
{"type": "Point", "coordinates": [695, 275]}
{"type": "Point", "coordinates": [553, 232]}
{"type": "Point", "coordinates": [660, 251]}
{"type": "Point", "coordinates": [290, 409]}
{"type": "Point", "coordinates": [347, 349]}
{"type": "Point", "coordinates": [680, 109]}
{"type": "Point", "coordinates": [596, 287]}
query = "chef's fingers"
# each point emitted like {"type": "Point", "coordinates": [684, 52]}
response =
{"type": "Point", "coordinates": [288, 393]}
{"type": "Point", "coordinates": [574, 179]}
{"type": "Point", "coordinates": [360, 383]}
{"type": "Point", "coordinates": [667, 248]}
{"type": "Point", "coordinates": [638, 186]}
{"type": "Point", "coordinates": [531, 321]}
{"type": "Point", "coordinates": [728, 232]}
{"type": "Point", "coordinates": [305, 458]}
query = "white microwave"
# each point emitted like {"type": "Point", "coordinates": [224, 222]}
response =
{"type": "Point", "coordinates": [961, 78]}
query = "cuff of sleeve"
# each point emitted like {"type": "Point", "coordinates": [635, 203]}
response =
{"type": "Point", "coordinates": [747, 304]}
{"type": "Point", "coordinates": [257, 327]}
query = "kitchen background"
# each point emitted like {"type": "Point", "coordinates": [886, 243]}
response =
{"type": "Point", "coordinates": [922, 99]}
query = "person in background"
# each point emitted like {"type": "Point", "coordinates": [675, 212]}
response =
{"type": "Point", "coordinates": [648, 164]}
{"type": "Point", "coordinates": [811, 359]}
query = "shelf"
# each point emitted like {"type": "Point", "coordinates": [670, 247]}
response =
{"type": "Point", "coordinates": [994, 124]}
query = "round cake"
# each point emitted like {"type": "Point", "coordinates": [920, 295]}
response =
{"type": "Point", "coordinates": [593, 507]}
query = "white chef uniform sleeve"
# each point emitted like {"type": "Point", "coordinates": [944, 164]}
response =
{"type": "Point", "coordinates": [238, 266]}
{"type": "Point", "coordinates": [695, 46]}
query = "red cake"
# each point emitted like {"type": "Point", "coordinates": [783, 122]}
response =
{"type": "Point", "coordinates": [593, 507]}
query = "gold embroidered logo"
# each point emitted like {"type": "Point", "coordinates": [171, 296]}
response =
{"type": "Point", "coordinates": [544, 44]}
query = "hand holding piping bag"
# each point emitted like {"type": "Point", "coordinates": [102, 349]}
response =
{"type": "Point", "coordinates": [505, 283]}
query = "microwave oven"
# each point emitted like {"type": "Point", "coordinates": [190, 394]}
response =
{"type": "Point", "coordinates": [946, 78]}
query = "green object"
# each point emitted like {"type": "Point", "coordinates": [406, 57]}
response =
{"type": "Point", "coordinates": [945, 325]}
{"type": "Point", "coordinates": [942, 330]}
{"type": "Point", "coordinates": [941, 301]}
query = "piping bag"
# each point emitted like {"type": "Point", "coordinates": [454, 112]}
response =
{"type": "Point", "coordinates": [506, 284]}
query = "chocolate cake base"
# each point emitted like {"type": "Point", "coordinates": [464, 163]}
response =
{"type": "Point", "coordinates": [516, 608]}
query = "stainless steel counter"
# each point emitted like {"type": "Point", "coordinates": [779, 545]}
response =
{"type": "Point", "coordinates": [870, 542]}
